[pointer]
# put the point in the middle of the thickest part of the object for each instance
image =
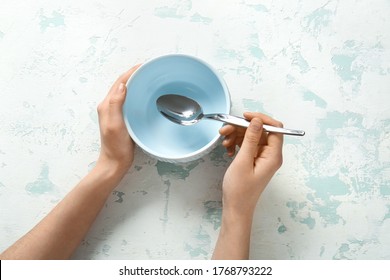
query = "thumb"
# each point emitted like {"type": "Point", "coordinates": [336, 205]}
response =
{"type": "Point", "coordinates": [117, 95]}
{"type": "Point", "coordinates": [116, 101]}
{"type": "Point", "coordinates": [249, 147]}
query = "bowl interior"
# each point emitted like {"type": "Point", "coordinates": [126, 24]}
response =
{"type": "Point", "coordinates": [174, 74]}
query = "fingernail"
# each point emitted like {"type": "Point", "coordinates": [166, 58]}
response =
{"type": "Point", "coordinates": [121, 87]}
{"type": "Point", "coordinates": [256, 125]}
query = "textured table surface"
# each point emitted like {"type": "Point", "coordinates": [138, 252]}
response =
{"type": "Point", "coordinates": [321, 66]}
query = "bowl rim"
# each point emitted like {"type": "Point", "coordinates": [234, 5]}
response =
{"type": "Point", "coordinates": [195, 154]}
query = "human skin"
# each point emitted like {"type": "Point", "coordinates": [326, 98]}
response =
{"type": "Point", "coordinates": [61, 231]}
{"type": "Point", "coordinates": [259, 157]}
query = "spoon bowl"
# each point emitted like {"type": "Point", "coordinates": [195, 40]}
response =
{"type": "Point", "coordinates": [179, 109]}
{"type": "Point", "coordinates": [186, 111]}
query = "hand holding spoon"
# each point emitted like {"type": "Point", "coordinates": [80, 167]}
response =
{"type": "Point", "coordinates": [186, 111]}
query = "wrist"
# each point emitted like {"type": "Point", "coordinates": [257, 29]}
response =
{"type": "Point", "coordinates": [109, 173]}
{"type": "Point", "coordinates": [236, 222]}
{"type": "Point", "coordinates": [113, 168]}
{"type": "Point", "coordinates": [239, 209]}
{"type": "Point", "coordinates": [237, 218]}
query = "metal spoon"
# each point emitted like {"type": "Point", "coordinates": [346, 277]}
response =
{"type": "Point", "coordinates": [186, 111]}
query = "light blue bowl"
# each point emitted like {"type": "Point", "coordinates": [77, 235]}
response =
{"type": "Point", "coordinates": [177, 74]}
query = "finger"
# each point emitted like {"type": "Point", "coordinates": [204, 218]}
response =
{"type": "Point", "coordinates": [264, 118]}
{"type": "Point", "coordinates": [123, 78]}
{"type": "Point", "coordinates": [227, 129]}
{"type": "Point", "coordinates": [116, 103]}
{"type": "Point", "coordinates": [264, 138]}
{"type": "Point", "coordinates": [251, 140]}
{"type": "Point", "coordinates": [231, 151]}
{"type": "Point", "coordinates": [275, 140]}
{"type": "Point", "coordinates": [229, 140]}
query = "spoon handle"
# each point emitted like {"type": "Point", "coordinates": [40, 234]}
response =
{"type": "Point", "coordinates": [245, 123]}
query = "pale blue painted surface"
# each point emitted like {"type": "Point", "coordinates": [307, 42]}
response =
{"type": "Point", "coordinates": [321, 66]}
